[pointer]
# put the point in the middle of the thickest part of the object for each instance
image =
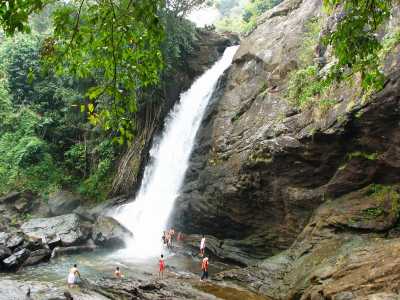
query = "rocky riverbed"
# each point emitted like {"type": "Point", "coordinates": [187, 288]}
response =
{"type": "Point", "coordinates": [44, 234]}
{"type": "Point", "coordinates": [48, 280]}
{"type": "Point", "coordinates": [37, 252]}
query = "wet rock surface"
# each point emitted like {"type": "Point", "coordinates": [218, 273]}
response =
{"type": "Point", "coordinates": [16, 259]}
{"type": "Point", "coordinates": [343, 253]}
{"type": "Point", "coordinates": [66, 228]}
{"type": "Point", "coordinates": [225, 250]}
{"type": "Point", "coordinates": [110, 233]}
{"type": "Point", "coordinates": [63, 202]}
{"type": "Point", "coordinates": [173, 287]}
{"type": "Point", "coordinates": [40, 239]}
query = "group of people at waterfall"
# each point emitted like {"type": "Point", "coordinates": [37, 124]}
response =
{"type": "Point", "coordinates": [168, 237]}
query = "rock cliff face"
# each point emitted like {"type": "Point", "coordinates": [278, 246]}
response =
{"type": "Point", "coordinates": [262, 167]}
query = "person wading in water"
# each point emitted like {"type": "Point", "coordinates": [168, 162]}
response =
{"type": "Point", "coordinates": [73, 276]}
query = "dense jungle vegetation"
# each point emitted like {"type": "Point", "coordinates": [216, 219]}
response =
{"type": "Point", "coordinates": [71, 99]}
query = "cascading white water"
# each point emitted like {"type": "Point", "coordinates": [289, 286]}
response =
{"type": "Point", "coordinates": [147, 216]}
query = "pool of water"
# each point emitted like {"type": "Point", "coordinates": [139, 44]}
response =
{"type": "Point", "coordinates": [100, 263]}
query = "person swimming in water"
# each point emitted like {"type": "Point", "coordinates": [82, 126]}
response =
{"type": "Point", "coordinates": [162, 267]}
{"type": "Point", "coordinates": [73, 276]}
{"type": "Point", "coordinates": [118, 273]}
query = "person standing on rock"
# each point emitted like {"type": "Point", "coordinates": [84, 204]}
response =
{"type": "Point", "coordinates": [162, 267]}
{"type": "Point", "coordinates": [172, 236]}
{"type": "Point", "coordinates": [202, 245]}
{"type": "Point", "coordinates": [73, 276]}
{"type": "Point", "coordinates": [204, 269]}
{"type": "Point", "coordinates": [169, 240]}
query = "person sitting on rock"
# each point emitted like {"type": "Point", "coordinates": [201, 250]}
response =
{"type": "Point", "coordinates": [204, 268]}
{"type": "Point", "coordinates": [118, 273]}
{"type": "Point", "coordinates": [73, 276]}
{"type": "Point", "coordinates": [162, 267]}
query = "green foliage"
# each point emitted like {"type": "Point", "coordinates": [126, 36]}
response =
{"type": "Point", "coordinates": [14, 15]}
{"type": "Point", "coordinates": [97, 184]}
{"type": "Point", "coordinates": [254, 9]}
{"type": "Point", "coordinates": [178, 44]}
{"type": "Point", "coordinates": [119, 43]}
{"type": "Point", "coordinates": [356, 48]}
{"type": "Point", "coordinates": [246, 21]}
{"type": "Point", "coordinates": [386, 192]}
{"type": "Point", "coordinates": [116, 42]}
{"type": "Point", "coordinates": [354, 41]}
{"type": "Point", "coordinates": [310, 41]}
{"type": "Point", "coordinates": [230, 24]}
{"type": "Point", "coordinates": [42, 130]}
{"type": "Point", "coordinates": [373, 212]}
{"type": "Point", "coordinates": [389, 42]}
{"type": "Point", "coordinates": [304, 85]}
{"type": "Point", "coordinates": [19, 59]}
{"type": "Point", "coordinates": [99, 56]}
{"type": "Point", "coordinates": [368, 156]}
{"type": "Point", "coordinates": [76, 159]}
{"type": "Point", "coordinates": [25, 161]}
{"type": "Point", "coordinates": [181, 8]}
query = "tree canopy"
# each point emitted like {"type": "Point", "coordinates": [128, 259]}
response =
{"type": "Point", "coordinates": [116, 43]}
{"type": "Point", "coordinates": [355, 40]}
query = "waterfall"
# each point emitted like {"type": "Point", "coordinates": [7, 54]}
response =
{"type": "Point", "coordinates": [148, 214]}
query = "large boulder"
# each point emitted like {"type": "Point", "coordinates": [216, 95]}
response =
{"type": "Point", "coordinates": [68, 229]}
{"type": "Point", "coordinates": [4, 252]}
{"type": "Point", "coordinates": [16, 260]}
{"type": "Point", "coordinates": [10, 240]}
{"type": "Point", "coordinates": [9, 198]}
{"type": "Point", "coordinates": [109, 232]}
{"type": "Point", "coordinates": [89, 246]}
{"type": "Point", "coordinates": [225, 250]}
{"type": "Point", "coordinates": [63, 202]}
{"type": "Point", "coordinates": [37, 257]}
{"type": "Point", "coordinates": [12, 290]}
